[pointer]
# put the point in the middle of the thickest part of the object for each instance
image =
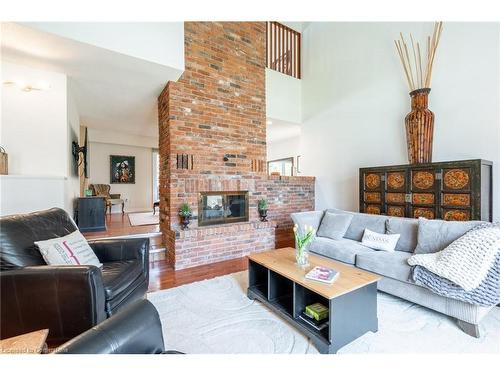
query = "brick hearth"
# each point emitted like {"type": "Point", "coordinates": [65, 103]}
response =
{"type": "Point", "coordinates": [213, 138]}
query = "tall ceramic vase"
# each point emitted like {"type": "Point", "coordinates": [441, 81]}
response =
{"type": "Point", "coordinates": [419, 128]}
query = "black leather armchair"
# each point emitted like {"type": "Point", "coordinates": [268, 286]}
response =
{"type": "Point", "coordinates": [134, 330]}
{"type": "Point", "coordinates": [67, 300]}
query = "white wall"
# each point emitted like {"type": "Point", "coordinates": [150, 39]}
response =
{"type": "Point", "coordinates": [34, 124]}
{"type": "Point", "coordinates": [354, 100]}
{"type": "Point", "coordinates": [138, 196]}
{"type": "Point", "coordinates": [121, 138]}
{"type": "Point", "coordinates": [23, 194]}
{"type": "Point", "coordinates": [72, 190]}
{"type": "Point", "coordinates": [283, 148]}
{"type": "Point", "coordinates": [283, 97]}
{"type": "Point", "coordinates": [36, 130]}
{"type": "Point", "coordinates": [159, 42]}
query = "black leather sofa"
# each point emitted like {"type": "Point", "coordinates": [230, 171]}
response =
{"type": "Point", "coordinates": [67, 300]}
{"type": "Point", "coordinates": [134, 330]}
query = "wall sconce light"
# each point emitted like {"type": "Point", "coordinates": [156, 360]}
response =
{"type": "Point", "coordinates": [27, 87]}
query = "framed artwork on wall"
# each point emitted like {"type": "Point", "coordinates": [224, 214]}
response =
{"type": "Point", "coordinates": [122, 169]}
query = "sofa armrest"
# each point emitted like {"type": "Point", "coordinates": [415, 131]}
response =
{"type": "Point", "coordinates": [311, 218]}
{"type": "Point", "coordinates": [134, 330]}
{"type": "Point", "coordinates": [111, 250]}
{"type": "Point", "coordinates": [67, 300]}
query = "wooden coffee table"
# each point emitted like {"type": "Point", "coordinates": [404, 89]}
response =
{"type": "Point", "coordinates": [277, 282]}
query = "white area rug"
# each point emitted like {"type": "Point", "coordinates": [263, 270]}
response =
{"type": "Point", "coordinates": [143, 218]}
{"type": "Point", "coordinates": [215, 317]}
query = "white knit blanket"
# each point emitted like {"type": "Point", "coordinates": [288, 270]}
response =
{"type": "Point", "coordinates": [467, 260]}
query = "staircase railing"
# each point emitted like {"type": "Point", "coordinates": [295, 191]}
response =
{"type": "Point", "coordinates": [283, 49]}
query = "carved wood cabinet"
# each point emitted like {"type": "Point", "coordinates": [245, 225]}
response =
{"type": "Point", "coordinates": [455, 190]}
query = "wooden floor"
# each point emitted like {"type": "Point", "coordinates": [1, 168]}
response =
{"type": "Point", "coordinates": [162, 276]}
{"type": "Point", "coordinates": [119, 225]}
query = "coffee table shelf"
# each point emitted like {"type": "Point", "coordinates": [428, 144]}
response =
{"type": "Point", "coordinates": [275, 281]}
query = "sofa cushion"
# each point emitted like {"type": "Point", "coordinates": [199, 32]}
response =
{"type": "Point", "coordinates": [407, 228]}
{"type": "Point", "coordinates": [311, 218]}
{"type": "Point", "coordinates": [435, 235]}
{"type": "Point", "coordinates": [360, 222]}
{"type": "Point", "coordinates": [344, 250]}
{"type": "Point", "coordinates": [392, 265]}
{"type": "Point", "coordinates": [119, 276]}
{"type": "Point", "coordinates": [334, 226]}
{"type": "Point", "coordinates": [380, 241]}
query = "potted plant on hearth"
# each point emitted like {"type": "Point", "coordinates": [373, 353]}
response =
{"type": "Point", "coordinates": [262, 205]}
{"type": "Point", "coordinates": [185, 213]}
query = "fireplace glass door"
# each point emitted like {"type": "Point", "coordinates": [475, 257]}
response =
{"type": "Point", "coordinates": [222, 207]}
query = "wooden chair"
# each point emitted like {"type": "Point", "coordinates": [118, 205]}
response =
{"type": "Point", "coordinates": [102, 190]}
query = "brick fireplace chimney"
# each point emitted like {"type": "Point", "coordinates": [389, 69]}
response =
{"type": "Point", "coordinates": [212, 129]}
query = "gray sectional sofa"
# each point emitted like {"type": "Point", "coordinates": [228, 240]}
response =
{"type": "Point", "coordinates": [393, 266]}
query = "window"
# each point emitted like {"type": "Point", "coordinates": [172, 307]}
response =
{"type": "Point", "coordinates": [283, 167]}
{"type": "Point", "coordinates": [156, 175]}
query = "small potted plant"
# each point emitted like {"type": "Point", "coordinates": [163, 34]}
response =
{"type": "Point", "coordinates": [185, 213]}
{"type": "Point", "coordinates": [262, 205]}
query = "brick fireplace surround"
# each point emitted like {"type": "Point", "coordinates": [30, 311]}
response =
{"type": "Point", "coordinates": [212, 128]}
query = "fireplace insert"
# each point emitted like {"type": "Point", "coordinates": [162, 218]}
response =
{"type": "Point", "coordinates": [222, 207]}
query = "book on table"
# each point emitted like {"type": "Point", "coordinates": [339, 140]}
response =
{"type": "Point", "coordinates": [323, 274]}
{"type": "Point", "coordinates": [317, 311]}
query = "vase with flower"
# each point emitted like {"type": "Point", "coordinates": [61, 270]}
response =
{"type": "Point", "coordinates": [303, 239]}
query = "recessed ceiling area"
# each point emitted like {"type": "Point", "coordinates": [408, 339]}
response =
{"type": "Point", "coordinates": [112, 91]}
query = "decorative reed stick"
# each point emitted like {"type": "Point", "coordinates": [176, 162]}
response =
{"type": "Point", "coordinates": [415, 76]}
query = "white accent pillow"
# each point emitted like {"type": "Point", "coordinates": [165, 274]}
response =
{"type": "Point", "coordinates": [379, 241]}
{"type": "Point", "coordinates": [72, 249]}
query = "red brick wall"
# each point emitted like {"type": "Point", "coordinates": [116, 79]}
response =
{"type": "Point", "coordinates": [216, 110]}
{"type": "Point", "coordinates": [285, 196]}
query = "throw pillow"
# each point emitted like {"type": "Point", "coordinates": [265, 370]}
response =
{"type": "Point", "coordinates": [334, 226]}
{"type": "Point", "coordinates": [72, 249]}
{"type": "Point", "coordinates": [407, 228]}
{"type": "Point", "coordinates": [360, 222]}
{"type": "Point", "coordinates": [435, 235]}
{"type": "Point", "coordinates": [379, 241]}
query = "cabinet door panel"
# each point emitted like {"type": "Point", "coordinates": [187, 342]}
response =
{"type": "Point", "coordinates": [456, 215]}
{"type": "Point", "coordinates": [373, 181]}
{"type": "Point", "coordinates": [450, 199]}
{"type": "Point", "coordinates": [395, 198]}
{"type": "Point", "coordinates": [373, 209]}
{"type": "Point", "coordinates": [423, 198]}
{"type": "Point", "coordinates": [427, 212]}
{"type": "Point", "coordinates": [456, 179]}
{"type": "Point", "coordinates": [423, 180]}
{"type": "Point", "coordinates": [399, 211]}
{"type": "Point", "coordinates": [396, 181]}
{"type": "Point", "coordinates": [372, 192]}
{"type": "Point", "coordinates": [373, 197]}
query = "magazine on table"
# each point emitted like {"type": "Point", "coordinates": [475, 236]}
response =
{"type": "Point", "coordinates": [318, 325]}
{"type": "Point", "coordinates": [323, 274]}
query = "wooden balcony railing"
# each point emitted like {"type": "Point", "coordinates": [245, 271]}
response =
{"type": "Point", "coordinates": [283, 49]}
